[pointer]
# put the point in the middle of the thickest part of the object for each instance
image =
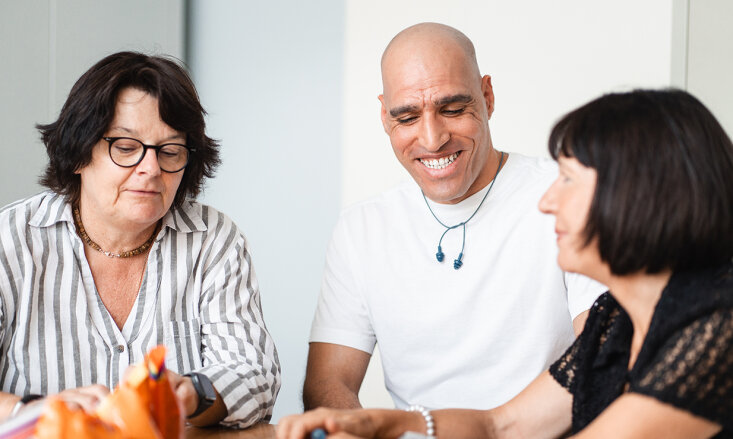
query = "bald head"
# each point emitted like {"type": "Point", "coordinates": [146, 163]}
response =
{"type": "Point", "coordinates": [429, 40]}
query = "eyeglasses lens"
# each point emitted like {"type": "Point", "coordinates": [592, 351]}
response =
{"type": "Point", "coordinates": [129, 152]}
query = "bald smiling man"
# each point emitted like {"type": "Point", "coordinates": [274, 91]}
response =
{"type": "Point", "coordinates": [454, 273]}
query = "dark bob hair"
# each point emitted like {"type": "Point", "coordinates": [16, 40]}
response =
{"type": "Point", "coordinates": [90, 108]}
{"type": "Point", "coordinates": [664, 188]}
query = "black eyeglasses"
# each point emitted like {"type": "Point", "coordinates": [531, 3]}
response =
{"type": "Point", "coordinates": [128, 152]}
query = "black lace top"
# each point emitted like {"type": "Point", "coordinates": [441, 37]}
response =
{"type": "Point", "coordinates": [686, 359]}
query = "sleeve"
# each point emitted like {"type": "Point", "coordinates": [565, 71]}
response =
{"type": "Point", "coordinates": [2, 318]}
{"type": "Point", "coordinates": [341, 315]}
{"type": "Point", "coordinates": [693, 369]}
{"type": "Point", "coordinates": [238, 353]}
{"type": "Point", "coordinates": [582, 292]}
{"type": "Point", "coordinates": [565, 369]}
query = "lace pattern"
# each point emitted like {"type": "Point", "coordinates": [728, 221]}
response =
{"type": "Point", "coordinates": [686, 359]}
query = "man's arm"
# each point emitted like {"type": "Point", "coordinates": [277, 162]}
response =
{"type": "Point", "coordinates": [333, 376]}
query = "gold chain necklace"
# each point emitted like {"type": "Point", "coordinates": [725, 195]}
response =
{"type": "Point", "coordinates": [127, 254]}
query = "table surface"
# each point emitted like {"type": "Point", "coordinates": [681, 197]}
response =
{"type": "Point", "coordinates": [259, 431]}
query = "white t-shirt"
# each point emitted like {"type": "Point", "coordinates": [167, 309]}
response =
{"type": "Point", "coordinates": [472, 337]}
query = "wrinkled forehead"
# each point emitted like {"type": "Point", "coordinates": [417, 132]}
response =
{"type": "Point", "coordinates": [427, 75]}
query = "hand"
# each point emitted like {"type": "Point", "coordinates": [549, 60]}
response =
{"type": "Point", "coordinates": [184, 390]}
{"type": "Point", "coordinates": [86, 398]}
{"type": "Point", "coordinates": [338, 424]}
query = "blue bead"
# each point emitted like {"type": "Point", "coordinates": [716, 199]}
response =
{"type": "Point", "coordinates": [318, 433]}
{"type": "Point", "coordinates": [458, 263]}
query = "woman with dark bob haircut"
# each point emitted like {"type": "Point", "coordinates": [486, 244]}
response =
{"type": "Point", "coordinates": [644, 204]}
{"type": "Point", "coordinates": [117, 257]}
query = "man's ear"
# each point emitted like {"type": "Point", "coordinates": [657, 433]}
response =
{"type": "Point", "coordinates": [488, 92]}
{"type": "Point", "coordinates": [383, 113]}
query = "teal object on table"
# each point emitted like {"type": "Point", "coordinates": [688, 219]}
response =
{"type": "Point", "coordinates": [318, 433]}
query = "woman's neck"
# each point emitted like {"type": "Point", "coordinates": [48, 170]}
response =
{"type": "Point", "coordinates": [113, 237]}
{"type": "Point", "coordinates": [638, 294]}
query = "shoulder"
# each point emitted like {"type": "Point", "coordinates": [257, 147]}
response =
{"type": "Point", "coordinates": [690, 297]}
{"type": "Point", "coordinates": [213, 226]}
{"type": "Point", "coordinates": [40, 209]}
{"type": "Point", "coordinates": [389, 203]}
{"type": "Point", "coordinates": [686, 358]}
{"type": "Point", "coordinates": [192, 216]}
{"type": "Point", "coordinates": [527, 173]}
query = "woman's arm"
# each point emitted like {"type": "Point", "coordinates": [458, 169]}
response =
{"type": "Point", "coordinates": [542, 410]}
{"type": "Point", "coordinates": [634, 415]}
{"type": "Point", "coordinates": [238, 353]}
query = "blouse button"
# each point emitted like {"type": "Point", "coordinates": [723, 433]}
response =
{"type": "Point", "coordinates": [120, 348]}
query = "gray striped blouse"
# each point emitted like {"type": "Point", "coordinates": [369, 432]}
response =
{"type": "Point", "coordinates": [199, 297]}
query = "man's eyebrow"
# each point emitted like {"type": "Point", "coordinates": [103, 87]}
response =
{"type": "Point", "coordinates": [454, 99]}
{"type": "Point", "coordinates": [397, 111]}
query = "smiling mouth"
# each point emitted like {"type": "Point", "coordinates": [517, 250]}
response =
{"type": "Point", "coordinates": [440, 163]}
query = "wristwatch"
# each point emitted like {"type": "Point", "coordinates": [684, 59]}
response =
{"type": "Point", "coordinates": [204, 389]}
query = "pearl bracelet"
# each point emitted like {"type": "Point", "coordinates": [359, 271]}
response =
{"type": "Point", "coordinates": [430, 425]}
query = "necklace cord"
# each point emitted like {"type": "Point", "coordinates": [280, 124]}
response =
{"type": "Point", "coordinates": [458, 262]}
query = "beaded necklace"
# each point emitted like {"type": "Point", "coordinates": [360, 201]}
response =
{"type": "Point", "coordinates": [126, 254]}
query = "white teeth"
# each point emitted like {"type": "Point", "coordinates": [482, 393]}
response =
{"type": "Point", "coordinates": [439, 163]}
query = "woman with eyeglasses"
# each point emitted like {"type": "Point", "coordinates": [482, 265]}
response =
{"type": "Point", "coordinates": [117, 257]}
{"type": "Point", "coordinates": [644, 204]}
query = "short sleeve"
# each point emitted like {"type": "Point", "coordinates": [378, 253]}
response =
{"type": "Point", "coordinates": [693, 369]}
{"type": "Point", "coordinates": [565, 369]}
{"type": "Point", "coordinates": [582, 292]}
{"type": "Point", "coordinates": [341, 315]}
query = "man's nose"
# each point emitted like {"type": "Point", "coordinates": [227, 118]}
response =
{"type": "Point", "coordinates": [433, 133]}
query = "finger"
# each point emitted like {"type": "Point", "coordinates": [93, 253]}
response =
{"type": "Point", "coordinates": [343, 435]}
{"type": "Point", "coordinates": [81, 400]}
{"type": "Point", "coordinates": [187, 396]}
{"type": "Point", "coordinates": [299, 426]}
{"type": "Point", "coordinates": [72, 405]}
{"type": "Point", "coordinates": [175, 379]}
{"type": "Point", "coordinates": [355, 422]}
{"type": "Point", "coordinates": [97, 390]}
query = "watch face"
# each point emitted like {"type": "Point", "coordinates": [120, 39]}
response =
{"type": "Point", "coordinates": [204, 388]}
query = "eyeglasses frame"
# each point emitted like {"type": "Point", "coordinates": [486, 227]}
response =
{"type": "Point", "coordinates": [156, 148]}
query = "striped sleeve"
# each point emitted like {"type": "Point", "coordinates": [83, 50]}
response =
{"type": "Point", "coordinates": [238, 353]}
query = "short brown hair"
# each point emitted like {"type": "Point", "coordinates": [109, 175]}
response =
{"type": "Point", "coordinates": [664, 188]}
{"type": "Point", "coordinates": [90, 107]}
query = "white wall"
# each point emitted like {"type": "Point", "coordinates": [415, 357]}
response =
{"type": "Point", "coordinates": [545, 58]}
{"type": "Point", "coordinates": [709, 73]}
{"type": "Point", "coordinates": [45, 45]}
{"type": "Point", "coordinates": [271, 78]}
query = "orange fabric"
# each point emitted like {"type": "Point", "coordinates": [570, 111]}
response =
{"type": "Point", "coordinates": [143, 406]}
{"type": "Point", "coordinates": [59, 421]}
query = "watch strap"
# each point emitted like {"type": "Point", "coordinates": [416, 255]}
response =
{"type": "Point", "coordinates": [204, 390]}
